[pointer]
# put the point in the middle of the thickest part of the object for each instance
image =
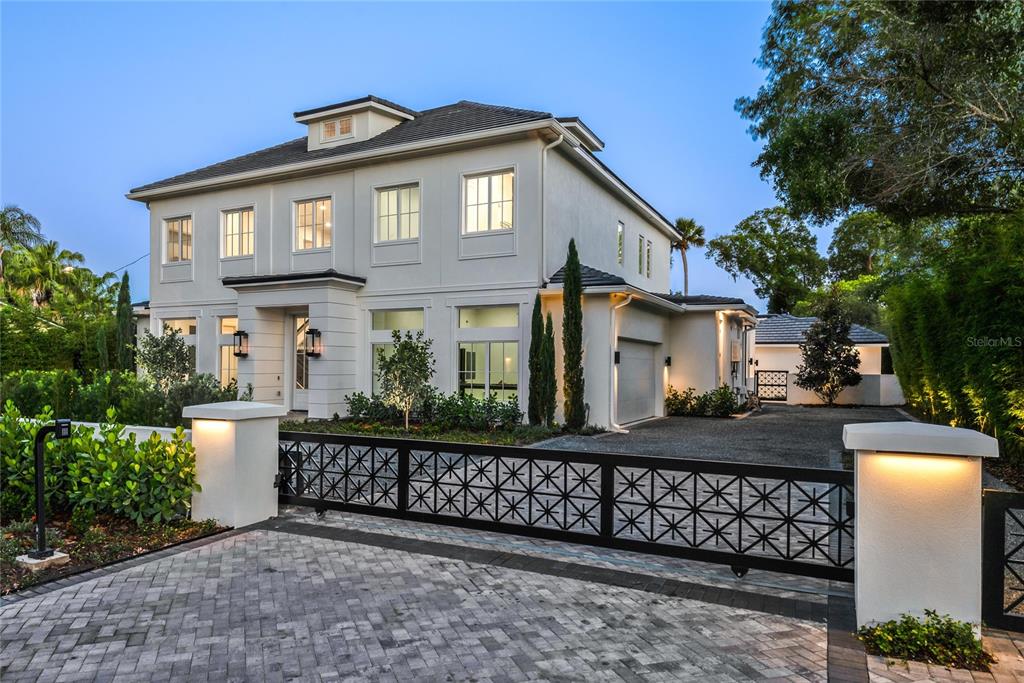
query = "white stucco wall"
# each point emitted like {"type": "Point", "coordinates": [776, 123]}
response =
{"type": "Point", "coordinates": [874, 388]}
{"type": "Point", "coordinates": [694, 351]}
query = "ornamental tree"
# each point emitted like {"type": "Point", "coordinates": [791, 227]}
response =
{"type": "Point", "coordinates": [830, 360]}
{"type": "Point", "coordinates": [536, 397]}
{"type": "Point", "coordinates": [404, 374]}
{"type": "Point", "coordinates": [125, 327]}
{"type": "Point", "coordinates": [572, 340]}
{"type": "Point", "coordinates": [548, 383]}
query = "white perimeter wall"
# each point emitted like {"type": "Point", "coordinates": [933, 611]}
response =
{"type": "Point", "coordinates": [874, 388]}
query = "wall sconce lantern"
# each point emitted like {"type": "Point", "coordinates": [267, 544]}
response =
{"type": "Point", "coordinates": [751, 361]}
{"type": "Point", "coordinates": [668, 361]}
{"type": "Point", "coordinates": [241, 349]}
{"type": "Point", "coordinates": [616, 357]}
{"type": "Point", "coordinates": [314, 345]}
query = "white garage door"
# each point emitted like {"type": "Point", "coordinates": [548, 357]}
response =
{"type": "Point", "coordinates": [636, 381]}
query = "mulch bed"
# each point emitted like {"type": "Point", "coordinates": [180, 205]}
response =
{"type": "Point", "coordinates": [106, 540]}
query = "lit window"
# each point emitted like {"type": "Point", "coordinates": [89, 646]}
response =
{"type": "Point", "coordinates": [650, 246]}
{"type": "Point", "coordinates": [239, 232]}
{"type": "Point", "coordinates": [179, 239]}
{"type": "Point", "coordinates": [489, 316]}
{"type": "Point", "coordinates": [228, 325]}
{"type": "Point", "coordinates": [620, 242]}
{"type": "Point", "coordinates": [313, 224]}
{"type": "Point", "coordinates": [489, 368]}
{"type": "Point", "coordinates": [183, 326]}
{"type": "Point", "coordinates": [400, 319]}
{"type": "Point", "coordinates": [398, 213]}
{"type": "Point", "coordinates": [640, 256]}
{"type": "Point", "coordinates": [228, 365]}
{"type": "Point", "coordinates": [489, 202]}
{"type": "Point", "coordinates": [336, 129]}
{"type": "Point", "coordinates": [387, 348]}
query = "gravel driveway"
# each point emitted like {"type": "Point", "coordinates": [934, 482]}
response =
{"type": "Point", "coordinates": [777, 435]}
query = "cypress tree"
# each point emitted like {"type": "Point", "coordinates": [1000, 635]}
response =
{"type": "Point", "coordinates": [125, 328]}
{"type": "Point", "coordinates": [572, 340]}
{"type": "Point", "coordinates": [534, 409]}
{"type": "Point", "coordinates": [549, 387]}
{"type": "Point", "coordinates": [102, 354]}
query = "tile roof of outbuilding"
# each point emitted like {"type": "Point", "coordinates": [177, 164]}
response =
{"type": "Point", "coordinates": [702, 299]}
{"type": "Point", "coordinates": [783, 328]}
{"type": "Point", "coordinates": [592, 277]}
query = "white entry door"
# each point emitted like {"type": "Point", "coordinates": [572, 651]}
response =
{"type": "Point", "coordinates": [636, 381]}
{"type": "Point", "coordinates": [300, 369]}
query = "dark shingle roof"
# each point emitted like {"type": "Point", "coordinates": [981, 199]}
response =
{"type": "Point", "coordinates": [789, 329]}
{"type": "Point", "coordinates": [702, 299]}
{"type": "Point", "coordinates": [592, 277]}
{"type": "Point", "coordinates": [452, 119]}
{"type": "Point", "coordinates": [358, 100]}
{"type": "Point", "coordinates": [329, 274]}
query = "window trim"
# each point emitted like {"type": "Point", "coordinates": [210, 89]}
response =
{"type": "Point", "coordinates": [164, 241]}
{"type": "Point", "coordinates": [337, 119]}
{"type": "Point", "coordinates": [223, 224]}
{"type": "Point", "coordinates": [497, 170]}
{"type": "Point", "coordinates": [377, 189]}
{"type": "Point", "coordinates": [294, 222]}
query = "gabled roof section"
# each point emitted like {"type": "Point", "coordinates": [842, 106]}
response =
{"type": "Point", "coordinates": [592, 277]}
{"type": "Point", "coordinates": [358, 100]}
{"type": "Point", "coordinates": [783, 328]}
{"type": "Point", "coordinates": [703, 299]}
{"type": "Point", "coordinates": [452, 119]}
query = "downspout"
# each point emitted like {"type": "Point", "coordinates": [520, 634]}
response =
{"type": "Point", "coordinates": [543, 184]}
{"type": "Point", "coordinates": [612, 393]}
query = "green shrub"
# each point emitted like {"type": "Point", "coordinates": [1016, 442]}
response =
{"type": "Point", "coordinates": [720, 402]}
{"type": "Point", "coordinates": [937, 640]}
{"type": "Point", "coordinates": [109, 473]}
{"type": "Point", "coordinates": [443, 411]}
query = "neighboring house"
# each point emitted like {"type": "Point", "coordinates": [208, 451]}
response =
{"type": "Point", "coordinates": [447, 220]}
{"type": "Point", "coordinates": [777, 356]}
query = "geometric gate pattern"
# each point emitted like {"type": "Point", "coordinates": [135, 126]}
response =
{"type": "Point", "coordinates": [795, 520]}
{"type": "Point", "coordinates": [1003, 560]}
{"type": "Point", "coordinates": [772, 385]}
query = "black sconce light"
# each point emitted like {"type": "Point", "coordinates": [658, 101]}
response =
{"type": "Point", "coordinates": [616, 357]}
{"type": "Point", "coordinates": [241, 344]}
{"type": "Point", "coordinates": [314, 346]}
{"type": "Point", "coordinates": [668, 361]}
{"type": "Point", "coordinates": [751, 361]}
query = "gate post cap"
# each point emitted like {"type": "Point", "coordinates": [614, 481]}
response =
{"type": "Point", "coordinates": [918, 437]}
{"type": "Point", "coordinates": [234, 410]}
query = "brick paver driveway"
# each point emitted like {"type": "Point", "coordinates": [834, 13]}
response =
{"type": "Point", "coordinates": [358, 598]}
{"type": "Point", "coordinates": [805, 436]}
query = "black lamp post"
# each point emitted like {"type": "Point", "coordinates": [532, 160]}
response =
{"type": "Point", "coordinates": [61, 429]}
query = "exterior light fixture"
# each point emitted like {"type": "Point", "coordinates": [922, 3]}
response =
{"type": "Point", "coordinates": [314, 345]}
{"type": "Point", "coordinates": [61, 429]}
{"type": "Point", "coordinates": [751, 361]}
{"type": "Point", "coordinates": [241, 346]}
{"type": "Point", "coordinates": [616, 357]}
{"type": "Point", "coordinates": [668, 361]}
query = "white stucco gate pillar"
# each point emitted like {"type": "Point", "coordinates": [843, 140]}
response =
{"type": "Point", "coordinates": [917, 535]}
{"type": "Point", "coordinates": [236, 461]}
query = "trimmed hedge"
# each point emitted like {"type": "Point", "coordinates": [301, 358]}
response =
{"type": "Point", "coordinates": [720, 402]}
{"type": "Point", "coordinates": [442, 411]}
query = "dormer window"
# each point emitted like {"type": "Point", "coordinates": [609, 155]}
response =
{"type": "Point", "coordinates": [336, 129]}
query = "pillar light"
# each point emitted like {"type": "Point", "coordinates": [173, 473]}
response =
{"type": "Point", "coordinates": [241, 344]}
{"type": "Point", "coordinates": [314, 344]}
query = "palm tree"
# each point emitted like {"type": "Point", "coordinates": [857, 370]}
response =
{"type": "Point", "coordinates": [691, 234]}
{"type": "Point", "coordinates": [18, 228]}
{"type": "Point", "coordinates": [45, 268]}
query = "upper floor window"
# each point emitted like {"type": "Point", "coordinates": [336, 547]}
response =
{"type": "Point", "coordinates": [313, 224]}
{"type": "Point", "coordinates": [179, 239]}
{"type": "Point", "coordinates": [239, 232]}
{"type": "Point", "coordinates": [640, 256]}
{"type": "Point", "coordinates": [650, 247]}
{"type": "Point", "coordinates": [398, 213]}
{"type": "Point", "coordinates": [336, 129]}
{"type": "Point", "coordinates": [620, 241]}
{"type": "Point", "coordinates": [489, 202]}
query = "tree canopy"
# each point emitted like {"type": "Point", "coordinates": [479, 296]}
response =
{"type": "Point", "coordinates": [910, 108]}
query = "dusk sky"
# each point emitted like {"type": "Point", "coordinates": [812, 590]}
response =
{"type": "Point", "coordinates": [99, 98]}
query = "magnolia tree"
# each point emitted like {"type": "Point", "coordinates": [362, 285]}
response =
{"type": "Point", "coordinates": [830, 360]}
{"type": "Point", "coordinates": [404, 373]}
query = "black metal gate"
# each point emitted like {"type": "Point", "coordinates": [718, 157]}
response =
{"type": "Point", "coordinates": [786, 519]}
{"type": "Point", "coordinates": [1002, 602]}
{"type": "Point", "coordinates": [772, 385]}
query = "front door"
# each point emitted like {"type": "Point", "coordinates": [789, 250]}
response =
{"type": "Point", "coordinates": [300, 370]}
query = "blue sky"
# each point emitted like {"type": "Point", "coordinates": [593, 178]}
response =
{"type": "Point", "coordinates": [99, 98]}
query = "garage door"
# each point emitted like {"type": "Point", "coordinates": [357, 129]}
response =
{"type": "Point", "coordinates": [636, 381]}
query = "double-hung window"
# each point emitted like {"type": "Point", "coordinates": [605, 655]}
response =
{"type": "Point", "coordinates": [313, 224]}
{"type": "Point", "coordinates": [179, 239]}
{"type": "Point", "coordinates": [382, 322]}
{"type": "Point", "coordinates": [239, 231]}
{"type": "Point", "coordinates": [620, 242]}
{"type": "Point", "coordinates": [489, 366]}
{"type": "Point", "coordinates": [489, 202]}
{"type": "Point", "coordinates": [398, 213]}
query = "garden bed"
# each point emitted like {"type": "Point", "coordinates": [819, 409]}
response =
{"type": "Point", "coordinates": [107, 540]}
{"type": "Point", "coordinates": [511, 436]}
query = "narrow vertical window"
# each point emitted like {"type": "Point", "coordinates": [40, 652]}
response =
{"type": "Point", "coordinates": [620, 242]}
{"type": "Point", "coordinates": [313, 224]}
{"type": "Point", "coordinates": [179, 239]}
{"type": "Point", "coordinates": [640, 256]}
{"type": "Point", "coordinates": [239, 232]}
{"type": "Point", "coordinates": [649, 249]}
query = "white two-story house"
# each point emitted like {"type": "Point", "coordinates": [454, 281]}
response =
{"type": "Point", "coordinates": [447, 220]}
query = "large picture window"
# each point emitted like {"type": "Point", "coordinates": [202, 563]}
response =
{"type": "Point", "coordinates": [489, 202]}
{"type": "Point", "coordinates": [313, 224]}
{"type": "Point", "coordinates": [487, 368]}
{"type": "Point", "coordinates": [179, 239]}
{"type": "Point", "coordinates": [239, 232]}
{"type": "Point", "coordinates": [398, 213]}
{"type": "Point", "coordinates": [382, 322]}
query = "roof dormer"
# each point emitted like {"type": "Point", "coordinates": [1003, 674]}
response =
{"type": "Point", "coordinates": [351, 121]}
